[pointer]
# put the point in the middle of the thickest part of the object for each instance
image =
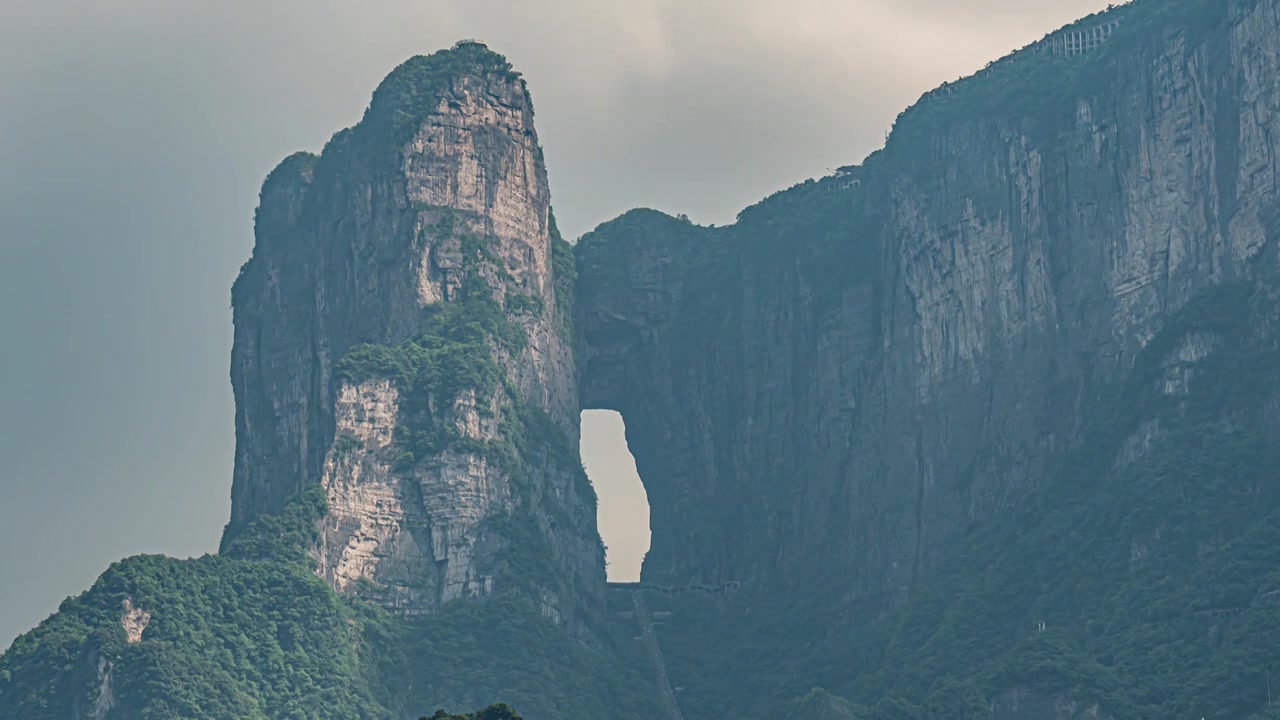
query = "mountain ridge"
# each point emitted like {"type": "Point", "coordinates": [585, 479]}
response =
{"type": "Point", "coordinates": [976, 428]}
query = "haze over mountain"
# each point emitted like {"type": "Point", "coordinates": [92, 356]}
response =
{"type": "Point", "coordinates": [134, 136]}
{"type": "Point", "coordinates": [980, 427]}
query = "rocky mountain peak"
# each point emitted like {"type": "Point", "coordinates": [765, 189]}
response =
{"type": "Point", "coordinates": [983, 427]}
{"type": "Point", "coordinates": [397, 332]}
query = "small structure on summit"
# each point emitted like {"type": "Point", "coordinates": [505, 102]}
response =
{"type": "Point", "coordinates": [1071, 42]}
{"type": "Point", "coordinates": [1078, 41]}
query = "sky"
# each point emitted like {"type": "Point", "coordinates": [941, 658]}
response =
{"type": "Point", "coordinates": [134, 136]}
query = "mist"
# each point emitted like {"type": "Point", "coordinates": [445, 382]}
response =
{"type": "Point", "coordinates": [134, 137]}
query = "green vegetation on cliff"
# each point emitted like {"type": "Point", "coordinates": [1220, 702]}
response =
{"type": "Point", "coordinates": [1145, 544]}
{"type": "Point", "coordinates": [1156, 578]}
{"type": "Point", "coordinates": [253, 634]}
{"type": "Point", "coordinates": [452, 353]}
{"type": "Point", "coordinates": [1038, 92]}
{"type": "Point", "coordinates": [1136, 578]}
{"type": "Point", "coordinates": [455, 354]}
{"type": "Point", "coordinates": [493, 712]}
{"type": "Point", "coordinates": [1152, 569]}
{"type": "Point", "coordinates": [413, 90]}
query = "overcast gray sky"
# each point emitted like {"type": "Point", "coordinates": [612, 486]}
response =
{"type": "Point", "coordinates": [134, 136]}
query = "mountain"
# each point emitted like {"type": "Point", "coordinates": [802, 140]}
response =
{"type": "Point", "coordinates": [1016, 370]}
{"type": "Point", "coordinates": [982, 427]}
{"type": "Point", "coordinates": [411, 526]}
{"type": "Point", "coordinates": [400, 338]}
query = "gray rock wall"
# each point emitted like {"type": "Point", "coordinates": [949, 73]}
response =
{"type": "Point", "coordinates": [851, 375]}
{"type": "Point", "coordinates": [350, 249]}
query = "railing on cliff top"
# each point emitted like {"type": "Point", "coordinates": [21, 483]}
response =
{"type": "Point", "coordinates": [1070, 42]}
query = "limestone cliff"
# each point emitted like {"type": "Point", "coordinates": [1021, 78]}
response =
{"type": "Point", "coordinates": [875, 379]}
{"type": "Point", "coordinates": [919, 343]}
{"type": "Point", "coordinates": [430, 216]}
{"type": "Point", "coordinates": [984, 427]}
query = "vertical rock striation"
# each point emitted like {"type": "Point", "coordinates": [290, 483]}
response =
{"type": "Point", "coordinates": [984, 427]}
{"type": "Point", "coordinates": [427, 220]}
{"type": "Point", "coordinates": [1016, 367]}
{"type": "Point", "coordinates": [857, 372]}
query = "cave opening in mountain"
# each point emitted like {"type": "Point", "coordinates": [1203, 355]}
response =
{"type": "Point", "coordinates": [623, 512]}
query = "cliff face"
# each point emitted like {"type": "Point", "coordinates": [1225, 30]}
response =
{"type": "Point", "coordinates": [432, 212]}
{"type": "Point", "coordinates": [868, 368]}
{"type": "Point", "coordinates": [982, 428]}
{"type": "Point", "coordinates": [1012, 369]}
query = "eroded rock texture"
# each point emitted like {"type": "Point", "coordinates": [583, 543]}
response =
{"type": "Point", "coordinates": [854, 403]}
{"type": "Point", "coordinates": [856, 372]}
{"type": "Point", "coordinates": [438, 193]}
{"type": "Point", "coordinates": [1023, 704]}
